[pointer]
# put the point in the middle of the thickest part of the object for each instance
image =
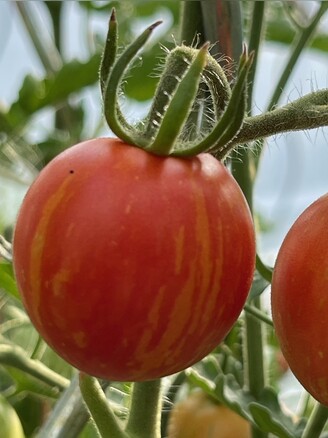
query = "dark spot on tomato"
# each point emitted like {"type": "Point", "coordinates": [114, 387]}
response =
{"type": "Point", "coordinates": [71, 171]}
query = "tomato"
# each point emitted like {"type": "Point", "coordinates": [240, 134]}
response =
{"type": "Point", "coordinates": [199, 416]}
{"type": "Point", "coordinates": [300, 299]}
{"type": "Point", "coordinates": [130, 265]}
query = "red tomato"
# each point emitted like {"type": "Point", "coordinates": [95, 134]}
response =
{"type": "Point", "coordinates": [300, 298]}
{"type": "Point", "coordinates": [133, 266]}
{"type": "Point", "coordinates": [199, 416]}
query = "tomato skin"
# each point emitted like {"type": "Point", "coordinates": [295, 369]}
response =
{"type": "Point", "coordinates": [300, 301]}
{"type": "Point", "coordinates": [198, 416]}
{"type": "Point", "coordinates": [133, 266]}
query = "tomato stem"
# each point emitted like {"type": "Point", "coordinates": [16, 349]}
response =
{"type": "Point", "coordinates": [213, 76]}
{"type": "Point", "coordinates": [227, 127]}
{"type": "Point", "coordinates": [316, 422]}
{"type": "Point", "coordinates": [179, 106]}
{"type": "Point", "coordinates": [307, 112]}
{"type": "Point", "coordinates": [100, 408]}
{"type": "Point", "coordinates": [257, 313]}
{"type": "Point", "coordinates": [301, 41]}
{"type": "Point", "coordinates": [191, 23]}
{"type": "Point", "coordinates": [70, 415]}
{"type": "Point", "coordinates": [194, 110]}
{"type": "Point", "coordinates": [16, 357]}
{"type": "Point", "coordinates": [145, 411]}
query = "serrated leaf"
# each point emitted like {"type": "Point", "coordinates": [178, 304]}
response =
{"type": "Point", "coordinates": [269, 417]}
{"type": "Point", "coordinates": [265, 412]}
{"type": "Point", "coordinates": [229, 392]}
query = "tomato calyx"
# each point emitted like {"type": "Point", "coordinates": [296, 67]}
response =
{"type": "Point", "coordinates": [178, 123]}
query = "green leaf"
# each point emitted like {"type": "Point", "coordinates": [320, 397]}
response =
{"type": "Point", "coordinates": [264, 411]}
{"type": "Point", "coordinates": [258, 287]}
{"type": "Point", "coordinates": [268, 415]}
{"type": "Point", "coordinates": [36, 94]}
{"type": "Point", "coordinates": [7, 280]}
{"type": "Point", "coordinates": [204, 373]}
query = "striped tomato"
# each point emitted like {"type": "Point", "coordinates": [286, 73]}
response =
{"type": "Point", "coordinates": [299, 298]}
{"type": "Point", "coordinates": [133, 266]}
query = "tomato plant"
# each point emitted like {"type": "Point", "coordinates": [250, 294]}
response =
{"type": "Point", "coordinates": [130, 265]}
{"type": "Point", "coordinates": [134, 256]}
{"type": "Point", "coordinates": [198, 416]}
{"type": "Point", "coordinates": [299, 298]}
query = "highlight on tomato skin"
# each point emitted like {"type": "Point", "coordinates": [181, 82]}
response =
{"type": "Point", "coordinates": [133, 266]}
{"type": "Point", "coordinates": [299, 299]}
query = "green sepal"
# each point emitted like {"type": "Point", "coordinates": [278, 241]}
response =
{"type": "Point", "coordinates": [179, 106]}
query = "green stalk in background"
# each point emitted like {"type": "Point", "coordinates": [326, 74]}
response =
{"type": "Point", "coordinates": [242, 162]}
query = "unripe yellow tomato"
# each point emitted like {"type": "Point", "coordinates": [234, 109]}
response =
{"type": "Point", "coordinates": [200, 417]}
{"type": "Point", "coordinates": [10, 425]}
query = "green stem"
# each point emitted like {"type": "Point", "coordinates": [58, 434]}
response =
{"type": "Point", "coordinates": [302, 40]}
{"type": "Point", "coordinates": [316, 422]}
{"type": "Point", "coordinates": [192, 34]}
{"type": "Point", "coordinates": [191, 28]}
{"type": "Point", "coordinates": [179, 106]}
{"type": "Point", "coordinates": [14, 356]}
{"type": "Point", "coordinates": [145, 411]}
{"type": "Point", "coordinates": [218, 140]}
{"type": "Point", "coordinates": [307, 112]}
{"type": "Point", "coordinates": [254, 365]}
{"type": "Point", "coordinates": [254, 43]}
{"type": "Point", "coordinates": [223, 27]}
{"type": "Point", "coordinates": [69, 416]}
{"type": "Point", "coordinates": [55, 9]}
{"type": "Point", "coordinates": [169, 400]}
{"type": "Point", "coordinates": [252, 310]}
{"type": "Point", "coordinates": [46, 51]}
{"type": "Point", "coordinates": [99, 408]}
{"type": "Point", "coordinates": [253, 338]}
{"type": "Point", "coordinates": [240, 168]}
